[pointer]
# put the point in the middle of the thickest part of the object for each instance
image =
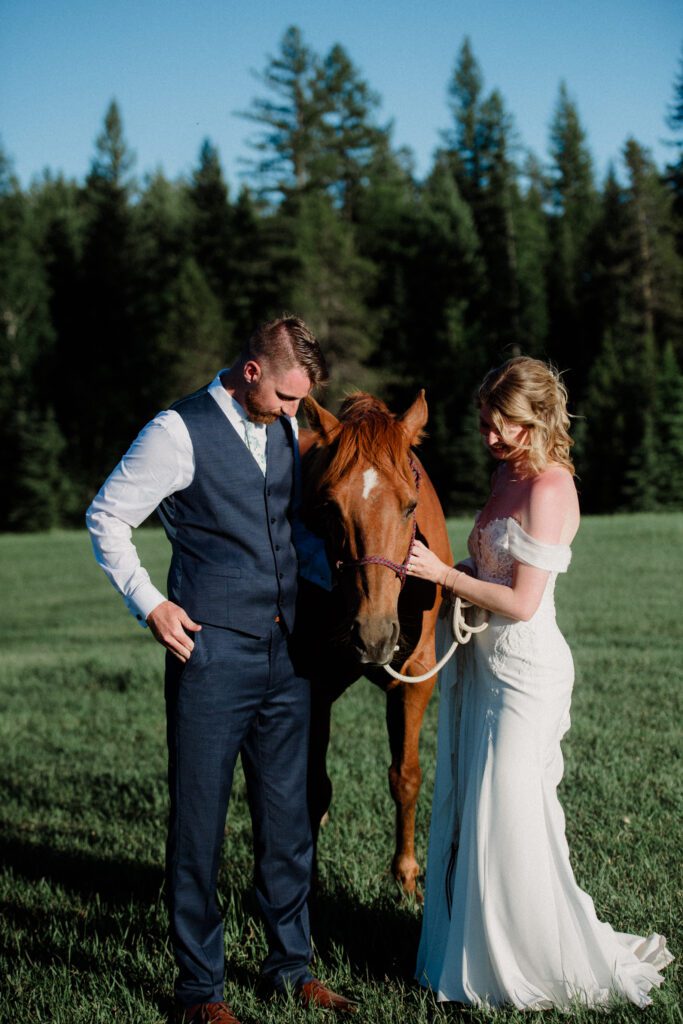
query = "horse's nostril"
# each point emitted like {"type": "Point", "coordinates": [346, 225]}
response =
{"type": "Point", "coordinates": [375, 639]}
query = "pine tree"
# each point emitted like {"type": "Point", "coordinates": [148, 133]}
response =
{"type": "Point", "coordinates": [494, 210]}
{"type": "Point", "coordinates": [443, 337]}
{"type": "Point", "coordinates": [318, 132]}
{"type": "Point", "coordinates": [480, 148]}
{"type": "Point", "coordinates": [640, 488]}
{"type": "Point", "coordinates": [193, 342]}
{"type": "Point", "coordinates": [574, 208]}
{"type": "Point", "coordinates": [327, 284]}
{"type": "Point", "coordinates": [102, 409]}
{"type": "Point", "coordinates": [532, 248]}
{"type": "Point", "coordinates": [464, 140]}
{"type": "Point", "coordinates": [256, 291]}
{"type": "Point", "coordinates": [602, 450]}
{"type": "Point", "coordinates": [319, 149]}
{"type": "Point", "coordinates": [607, 294]}
{"type": "Point", "coordinates": [353, 138]}
{"type": "Point", "coordinates": [58, 213]}
{"type": "Point", "coordinates": [212, 227]}
{"type": "Point", "coordinates": [655, 269]}
{"type": "Point", "coordinates": [674, 170]}
{"type": "Point", "coordinates": [293, 134]}
{"type": "Point", "coordinates": [231, 244]}
{"type": "Point", "coordinates": [25, 330]}
{"type": "Point", "coordinates": [187, 337]}
{"type": "Point", "coordinates": [470, 469]}
{"type": "Point", "coordinates": [37, 496]}
{"type": "Point", "coordinates": [30, 445]}
{"type": "Point", "coordinates": [388, 236]}
{"type": "Point", "coordinates": [669, 431]}
{"type": "Point", "coordinates": [631, 303]}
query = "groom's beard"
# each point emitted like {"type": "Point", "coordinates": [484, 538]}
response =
{"type": "Point", "coordinates": [256, 413]}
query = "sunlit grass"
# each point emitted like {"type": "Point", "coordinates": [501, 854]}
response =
{"type": "Point", "coordinates": [83, 932]}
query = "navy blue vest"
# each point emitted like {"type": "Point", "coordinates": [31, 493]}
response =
{"type": "Point", "coordinates": [233, 562]}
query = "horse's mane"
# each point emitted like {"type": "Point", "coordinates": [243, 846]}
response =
{"type": "Point", "coordinates": [367, 431]}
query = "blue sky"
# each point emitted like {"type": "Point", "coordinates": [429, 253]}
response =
{"type": "Point", "coordinates": [180, 69]}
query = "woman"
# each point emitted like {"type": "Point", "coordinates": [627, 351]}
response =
{"type": "Point", "coordinates": [505, 921]}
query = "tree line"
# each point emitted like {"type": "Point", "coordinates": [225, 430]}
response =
{"type": "Point", "coordinates": [118, 296]}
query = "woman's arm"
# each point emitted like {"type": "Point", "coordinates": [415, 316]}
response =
{"type": "Point", "coordinates": [550, 499]}
{"type": "Point", "coordinates": [519, 601]}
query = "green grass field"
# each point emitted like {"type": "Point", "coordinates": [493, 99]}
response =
{"type": "Point", "coordinates": [83, 928]}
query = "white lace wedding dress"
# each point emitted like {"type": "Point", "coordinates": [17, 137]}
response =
{"type": "Point", "coordinates": [504, 920]}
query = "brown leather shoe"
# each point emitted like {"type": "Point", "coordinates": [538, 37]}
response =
{"type": "Point", "coordinates": [207, 1013]}
{"type": "Point", "coordinates": [314, 993]}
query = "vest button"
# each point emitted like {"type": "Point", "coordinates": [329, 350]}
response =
{"type": "Point", "coordinates": [268, 492]}
{"type": "Point", "coordinates": [272, 519]}
{"type": "Point", "coordinates": [281, 575]}
{"type": "Point", "coordinates": [277, 547]}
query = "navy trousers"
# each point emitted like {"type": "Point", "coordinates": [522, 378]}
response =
{"type": "Point", "coordinates": [237, 694]}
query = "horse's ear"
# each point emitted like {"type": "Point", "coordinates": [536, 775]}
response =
{"type": "Point", "coordinates": [415, 419]}
{"type": "Point", "coordinates": [322, 422]}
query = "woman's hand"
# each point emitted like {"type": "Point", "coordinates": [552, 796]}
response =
{"type": "Point", "coordinates": [424, 564]}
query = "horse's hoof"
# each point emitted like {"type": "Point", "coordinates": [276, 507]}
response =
{"type": "Point", "coordinates": [408, 893]}
{"type": "Point", "coordinates": [406, 871]}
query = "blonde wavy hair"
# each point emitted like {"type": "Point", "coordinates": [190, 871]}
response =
{"type": "Point", "coordinates": [529, 393]}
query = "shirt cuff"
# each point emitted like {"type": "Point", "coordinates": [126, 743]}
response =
{"type": "Point", "coordinates": [143, 601]}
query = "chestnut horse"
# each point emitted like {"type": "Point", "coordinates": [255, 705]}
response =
{"type": "Point", "coordinates": [366, 492]}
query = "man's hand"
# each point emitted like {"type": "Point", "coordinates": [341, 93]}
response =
{"type": "Point", "coordinates": [168, 623]}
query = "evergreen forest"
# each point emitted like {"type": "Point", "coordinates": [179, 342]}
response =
{"type": "Point", "coordinates": [120, 294]}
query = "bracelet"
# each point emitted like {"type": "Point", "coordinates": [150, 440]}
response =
{"type": "Point", "coordinates": [458, 572]}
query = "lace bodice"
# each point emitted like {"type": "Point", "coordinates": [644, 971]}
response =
{"type": "Point", "coordinates": [496, 547]}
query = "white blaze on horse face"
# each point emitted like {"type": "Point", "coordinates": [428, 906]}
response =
{"type": "Point", "coordinates": [370, 481]}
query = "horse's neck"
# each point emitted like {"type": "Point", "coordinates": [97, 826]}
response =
{"type": "Point", "coordinates": [431, 519]}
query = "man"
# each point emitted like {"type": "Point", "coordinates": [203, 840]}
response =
{"type": "Point", "coordinates": [220, 466]}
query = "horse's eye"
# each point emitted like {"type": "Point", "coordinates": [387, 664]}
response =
{"type": "Point", "coordinates": [410, 509]}
{"type": "Point", "coordinates": [328, 510]}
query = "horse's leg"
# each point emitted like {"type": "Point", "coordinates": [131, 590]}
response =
{"type": "Point", "coordinates": [406, 705]}
{"type": "Point", "coordinates": [319, 783]}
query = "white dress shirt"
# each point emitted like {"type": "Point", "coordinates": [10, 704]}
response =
{"type": "Point", "coordinates": [159, 462]}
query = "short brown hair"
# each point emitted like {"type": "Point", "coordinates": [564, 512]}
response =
{"type": "Point", "coordinates": [286, 342]}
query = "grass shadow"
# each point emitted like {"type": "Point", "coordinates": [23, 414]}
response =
{"type": "Point", "coordinates": [378, 940]}
{"type": "Point", "coordinates": [82, 873]}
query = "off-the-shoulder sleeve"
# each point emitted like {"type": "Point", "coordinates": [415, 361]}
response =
{"type": "Point", "coordinates": [526, 549]}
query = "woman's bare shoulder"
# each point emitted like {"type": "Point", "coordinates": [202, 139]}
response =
{"type": "Point", "coordinates": [553, 506]}
{"type": "Point", "coordinates": [553, 480]}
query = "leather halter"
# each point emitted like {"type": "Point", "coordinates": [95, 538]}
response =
{"type": "Point", "coordinates": [400, 570]}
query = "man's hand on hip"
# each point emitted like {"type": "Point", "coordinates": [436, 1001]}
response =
{"type": "Point", "coordinates": [169, 623]}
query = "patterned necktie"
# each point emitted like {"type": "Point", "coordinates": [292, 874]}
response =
{"type": "Point", "coordinates": [256, 443]}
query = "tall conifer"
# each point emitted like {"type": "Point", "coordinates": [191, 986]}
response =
{"type": "Point", "coordinates": [574, 207]}
{"type": "Point", "coordinates": [674, 170]}
{"type": "Point", "coordinates": [211, 226]}
{"type": "Point", "coordinates": [99, 406]}
{"type": "Point", "coordinates": [291, 139]}
{"type": "Point", "coordinates": [480, 147]}
{"type": "Point", "coordinates": [30, 441]}
{"type": "Point", "coordinates": [656, 277]}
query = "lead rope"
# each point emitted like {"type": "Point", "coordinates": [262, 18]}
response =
{"type": "Point", "coordinates": [462, 634]}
